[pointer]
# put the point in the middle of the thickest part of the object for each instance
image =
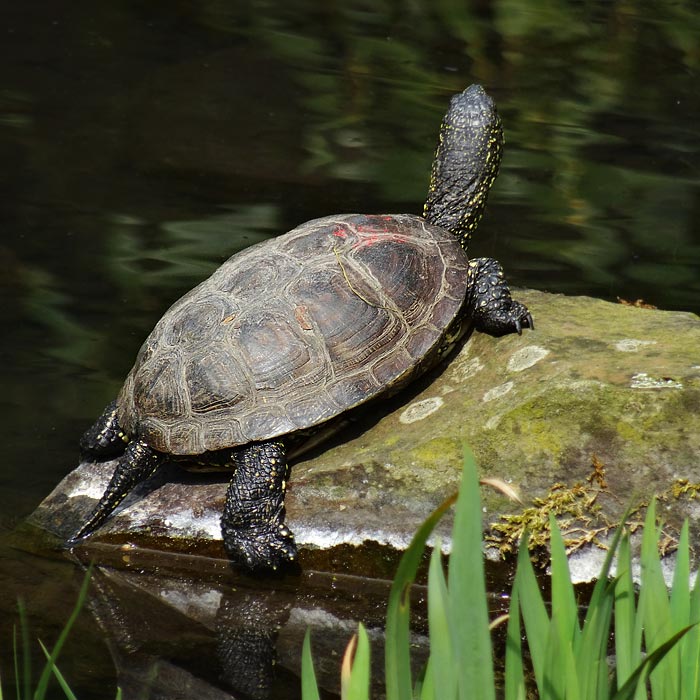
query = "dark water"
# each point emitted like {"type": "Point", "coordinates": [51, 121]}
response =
{"type": "Point", "coordinates": [142, 143]}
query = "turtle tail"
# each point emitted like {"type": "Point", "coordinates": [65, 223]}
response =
{"type": "Point", "coordinates": [137, 463]}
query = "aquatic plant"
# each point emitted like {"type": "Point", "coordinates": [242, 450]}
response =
{"type": "Point", "coordinates": [22, 654]}
{"type": "Point", "coordinates": [656, 642]}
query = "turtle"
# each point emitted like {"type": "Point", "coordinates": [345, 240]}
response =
{"type": "Point", "coordinates": [290, 334]}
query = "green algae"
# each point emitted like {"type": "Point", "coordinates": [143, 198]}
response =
{"type": "Point", "coordinates": [433, 465]}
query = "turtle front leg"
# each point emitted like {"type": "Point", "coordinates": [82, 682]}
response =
{"type": "Point", "coordinates": [104, 438]}
{"type": "Point", "coordinates": [137, 463]}
{"type": "Point", "coordinates": [489, 302]}
{"type": "Point", "coordinates": [252, 524]}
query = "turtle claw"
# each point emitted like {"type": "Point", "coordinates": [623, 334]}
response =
{"type": "Point", "coordinates": [524, 322]}
{"type": "Point", "coordinates": [72, 542]}
{"type": "Point", "coordinates": [269, 547]}
{"type": "Point", "coordinates": [493, 309]}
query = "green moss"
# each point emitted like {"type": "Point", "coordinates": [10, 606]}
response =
{"type": "Point", "coordinates": [576, 509]}
{"type": "Point", "coordinates": [547, 425]}
{"type": "Point", "coordinates": [437, 450]}
{"type": "Point", "coordinates": [627, 431]}
{"type": "Point", "coordinates": [392, 440]}
{"type": "Point", "coordinates": [435, 463]}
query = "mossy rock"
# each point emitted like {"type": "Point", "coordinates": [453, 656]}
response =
{"type": "Point", "coordinates": [597, 388]}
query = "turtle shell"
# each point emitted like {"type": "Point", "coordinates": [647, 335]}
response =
{"type": "Point", "coordinates": [294, 331]}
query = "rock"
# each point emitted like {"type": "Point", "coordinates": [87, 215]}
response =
{"type": "Point", "coordinates": [596, 384]}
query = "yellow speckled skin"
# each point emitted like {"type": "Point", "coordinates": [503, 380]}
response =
{"type": "Point", "coordinates": [466, 163]}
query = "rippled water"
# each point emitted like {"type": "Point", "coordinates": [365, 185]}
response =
{"type": "Point", "coordinates": [142, 144]}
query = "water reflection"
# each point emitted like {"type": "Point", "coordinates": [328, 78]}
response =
{"type": "Point", "coordinates": [173, 636]}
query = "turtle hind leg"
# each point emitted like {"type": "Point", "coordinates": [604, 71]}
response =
{"type": "Point", "coordinates": [105, 438]}
{"type": "Point", "coordinates": [137, 463]}
{"type": "Point", "coordinates": [489, 302]}
{"type": "Point", "coordinates": [252, 523]}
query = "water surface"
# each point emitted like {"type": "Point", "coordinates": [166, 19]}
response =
{"type": "Point", "coordinates": [142, 144]}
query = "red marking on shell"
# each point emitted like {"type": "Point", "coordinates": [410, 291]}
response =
{"type": "Point", "coordinates": [370, 236]}
{"type": "Point", "coordinates": [340, 233]}
{"type": "Point", "coordinates": [363, 228]}
{"type": "Point", "coordinates": [301, 314]}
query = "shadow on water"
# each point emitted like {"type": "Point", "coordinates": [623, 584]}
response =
{"type": "Point", "coordinates": [144, 144]}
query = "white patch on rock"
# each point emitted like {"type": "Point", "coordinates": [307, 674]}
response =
{"type": "Point", "coordinates": [497, 392]}
{"type": "Point", "coordinates": [187, 601]}
{"type": "Point", "coordinates": [642, 380]}
{"type": "Point", "coordinates": [178, 523]}
{"type": "Point", "coordinates": [301, 618]}
{"type": "Point", "coordinates": [526, 357]}
{"type": "Point", "coordinates": [421, 409]}
{"type": "Point", "coordinates": [87, 487]}
{"type": "Point", "coordinates": [319, 620]}
{"type": "Point", "coordinates": [327, 538]}
{"type": "Point", "coordinates": [632, 344]}
{"type": "Point", "coordinates": [466, 369]}
{"type": "Point", "coordinates": [585, 566]}
{"type": "Point", "coordinates": [493, 422]}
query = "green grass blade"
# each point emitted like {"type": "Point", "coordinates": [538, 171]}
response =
{"type": "Point", "coordinates": [59, 676]}
{"type": "Point", "coordinates": [593, 645]}
{"type": "Point", "coordinates": [43, 683]}
{"type": "Point", "coordinates": [425, 687]}
{"type": "Point", "coordinates": [26, 655]}
{"type": "Point", "coordinates": [555, 680]}
{"type": "Point", "coordinates": [471, 638]}
{"type": "Point", "coordinates": [655, 611]}
{"type": "Point", "coordinates": [355, 681]}
{"type": "Point", "coordinates": [563, 596]}
{"type": "Point", "coordinates": [564, 607]}
{"type": "Point", "coordinates": [691, 659]}
{"type": "Point", "coordinates": [15, 660]}
{"type": "Point", "coordinates": [627, 643]}
{"type": "Point", "coordinates": [680, 588]}
{"type": "Point", "coordinates": [644, 670]}
{"type": "Point", "coordinates": [601, 586]}
{"type": "Point", "coordinates": [572, 675]}
{"type": "Point", "coordinates": [533, 610]}
{"type": "Point", "coordinates": [442, 660]}
{"type": "Point", "coordinates": [397, 659]}
{"type": "Point", "coordinates": [309, 686]}
{"type": "Point", "coordinates": [681, 615]}
{"type": "Point", "coordinates": [514, 671]}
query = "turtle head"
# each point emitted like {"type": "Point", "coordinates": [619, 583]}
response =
{"type": "Point", "coordinates": [466, 163]}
